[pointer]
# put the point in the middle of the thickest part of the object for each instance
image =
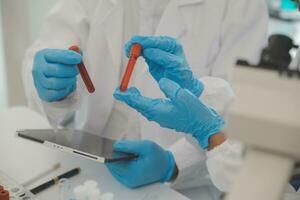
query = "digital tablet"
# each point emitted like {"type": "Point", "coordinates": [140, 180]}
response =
{"type": "Point", "coordinates": [77, 142]}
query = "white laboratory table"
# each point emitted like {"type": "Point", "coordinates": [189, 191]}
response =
{"type": "Point", "coordinates": [23, 160]}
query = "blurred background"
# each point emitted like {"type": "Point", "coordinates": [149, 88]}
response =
{"type": "Point", "coordinates": [20, 22]}
{"type": "Point", "coordinates": [269, 89]}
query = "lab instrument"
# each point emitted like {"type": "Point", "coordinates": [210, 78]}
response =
{"type": "Point", "coordinates": [182, 111]}
{"type": "Point", "coordinates": [83, 72]}
{"type": "Point", "coordinates": [55, 180]}
{"type": "Point", "coordinates": [272, 150]}
{"type": "Point", "coordinates": [135, 52]}
{"type": "Point", "coordinates": [77, 142]}
{"type": "Point", "coordinates": [12, 188]}
{"type": "Point", "coordinates": [154, 164]}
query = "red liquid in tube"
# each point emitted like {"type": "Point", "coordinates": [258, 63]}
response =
{"type": "Point", "coordinates": [4, 195]}
{"type": "Point", "coordinates": [83, 72]}
{"type": "Point", "coordinates": [135, 52]}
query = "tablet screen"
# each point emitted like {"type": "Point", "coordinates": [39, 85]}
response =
{"type": "Point", "coordinates": [77, 140]}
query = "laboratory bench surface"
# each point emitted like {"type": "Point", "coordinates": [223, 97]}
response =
{"type": "Point", "coordinates": [23, 160]}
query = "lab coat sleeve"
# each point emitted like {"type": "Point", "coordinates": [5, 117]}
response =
{"type": "Point", "coordinates": [191, 164]}
{"type": "Point", "coordinates": [190, 159]}
{"type": "Point", "coordinates": [223, 163]}
{"type": "Point", "coordinates": [217, 94]}
{"type": "Point", "coordinates": [243, 35]}
{"type": "Point", "coordinates": [67, 24]}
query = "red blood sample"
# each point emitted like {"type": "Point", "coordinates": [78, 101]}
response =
{"type": "Point", "coordinates": [135, 52]}
{"type": "Point", "coordinates": [4, 195]}
{"type": "Point", "coordinates": [83, 72]}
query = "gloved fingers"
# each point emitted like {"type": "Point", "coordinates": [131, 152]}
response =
{"type": "Point", "coordinates": [57, 83]}
{"type": "Point", "coordinates": [156, 71]}
{"type": "Point", "coordinates": [117, 173]}
{"type": "Point", "coordinates": [130, 146]}
{"type": "Point", "coordinates": [178, 95]}
{"type": "Point", "coordinates": [60, 70]}
{"type": "Point", "coordinates": [186, 80]}
{"type": "Point", "coordinates": [54, 95]}
{"type": "Point", "coordinates": [164, 43]}
{"type": "Point", "coordinates": [62, 56]}
{"type": "Point", "coordinates": [134, 99]}
{"type": "Point", "coordinates": [186, 97]}
{"type": "Point", "coordinates": [169, 88]}
{"type": "Point", "coordinates": [122, 177]}
{"type": "Point", "coordinates": [164, 59]}
{"type": "Point", "coordinates": [118, 168]}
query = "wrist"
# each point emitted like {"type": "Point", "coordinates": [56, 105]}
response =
{"type": "Point", "coordinates": [207, 140]}
{"type": "Point", "coordinates": [216, 140]}
{"type": "Point", "coordinates": [172, 168]}
{"type": "Point", "coordinates": [175, 173]}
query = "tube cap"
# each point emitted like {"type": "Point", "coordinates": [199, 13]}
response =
{"type": "Point", "coordinates": [4, 195]}
{"type": "Point", "coordinates": [135, 50]}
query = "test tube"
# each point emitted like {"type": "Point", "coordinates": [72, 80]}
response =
{"type": "Point", "coordinates": [83, 72]}
{"type": "Point", "coordinates": [4, 195]}
{"type": "Point", "coordinates": [135, 52]}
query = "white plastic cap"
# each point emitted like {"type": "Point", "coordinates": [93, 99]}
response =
{"type": "Point", "coordinates": [90, 184]}
{"type": "Point", "coordinates": [80, 192]}
{"type": "Point", "coordinates": [107, 196]}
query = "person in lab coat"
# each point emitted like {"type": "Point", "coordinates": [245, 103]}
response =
{"type": "Point", "coordinates": [212, 32]}
{"type": "Point", "coordinates": [195, 119]}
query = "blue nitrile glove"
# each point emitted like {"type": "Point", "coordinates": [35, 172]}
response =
{"type": "Point", "coordinates": [295, 183]}
{"type": "Point", "coordinates": [153, 164]}
{"type": "Point", "coordinates": [165, 58]}
{"type": "Point", "coordinates": [55, 73]}
{"type": "Point", "coordinates": [182, 111]}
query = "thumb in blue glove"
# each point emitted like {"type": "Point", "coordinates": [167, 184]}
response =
{"type": "Point", "coordinates": [165, 58]}
{"type": "Point", "coordinates": [181, 111]}
{"type": "Point", "coordinates": [154, 164]}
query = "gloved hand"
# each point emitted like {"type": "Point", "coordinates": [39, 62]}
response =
{"type": "Point", "coordinates": [154, 164]}
{"type": "Point", "coordinates": [55, 73]}
{"type": "Point", "coordinates": [182, 111]}
{"type": "Point", "coordinates": [165, 58]}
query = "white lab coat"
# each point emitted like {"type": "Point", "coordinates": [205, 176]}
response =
{"type": "Point", "coordinates": [212, 32]}
{"type": "Point", "coordinates": [226, 160]}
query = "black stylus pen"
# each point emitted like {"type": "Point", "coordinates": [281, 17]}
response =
{"type": "Point", "coordinates": [55, 180]}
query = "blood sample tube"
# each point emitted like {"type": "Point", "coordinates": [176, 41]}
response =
{"type": "Point", "coordinates": [83, 72]}
{"type": "Point", "coordinates": [135, 52]}
{"type": "Point", "coordinates": [4, 195]}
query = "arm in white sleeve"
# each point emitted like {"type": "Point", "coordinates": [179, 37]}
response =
{"type": "Point", "coordinates": [66, 25]}
{"type": "Point", "coordinates": [223, 163]}
{"type": "Point", "coordinates": [244, 35]}
{"type": "Point", "coordinates": [244, 30]}
{"type": "Point", "coordinates": [191, 164]}
{"type": "Point", "coordinates": [190, 159]}
{"type": "Point", "coordinates": [217, 94]}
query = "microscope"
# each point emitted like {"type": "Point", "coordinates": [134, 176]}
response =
{"type": "Point", "coordinates": [272, 149]}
